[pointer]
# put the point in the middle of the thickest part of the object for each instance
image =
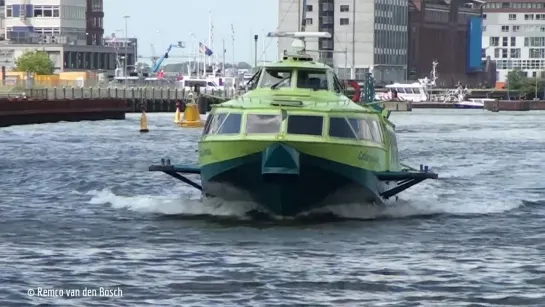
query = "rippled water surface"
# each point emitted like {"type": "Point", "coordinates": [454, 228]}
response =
{"type": "Point", "coordinates": [79, 210]}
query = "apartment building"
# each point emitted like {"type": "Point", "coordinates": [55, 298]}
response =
{"type": "Point", "coordinates": [70, 31]}
{"type": "Point", "coordinates": [514, 36]}
{"type": "Point", "coordinates": [30, 21]}
{"type": "Point", "coordinates": [95, 22]}
{"type": "Point", "coordinates": [366, 34]}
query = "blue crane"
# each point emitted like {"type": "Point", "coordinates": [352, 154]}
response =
{"type": "Point", "coordinates": [157, 65]}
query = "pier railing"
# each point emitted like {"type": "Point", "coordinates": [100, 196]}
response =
{"type": "Point", "coordinates": [141, 93]}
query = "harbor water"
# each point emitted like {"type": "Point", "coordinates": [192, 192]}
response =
{"type": "Point", "coordinates": [79, 210]}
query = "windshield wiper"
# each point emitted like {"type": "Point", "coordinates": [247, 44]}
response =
{"type": "Point", "coordinates": [274, 86]}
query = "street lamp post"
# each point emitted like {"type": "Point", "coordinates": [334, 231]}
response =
{"type": "Point", "coordinates": [256, 37]}
{"type": "Point", "coordinates": [535, 54]}
{"type": "Point", "coordinates": [535, 89]}
{"type": "Point", "coordinates": [125, 61]}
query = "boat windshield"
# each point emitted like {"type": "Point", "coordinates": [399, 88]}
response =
{"type": "Point", "coordinates": [313, 79]}
{"type": "Point", "coordinates": [277, 77]}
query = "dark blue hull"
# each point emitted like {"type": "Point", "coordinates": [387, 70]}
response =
{"type": "Point", "coordinates": [465, 106]}
{"type": "Point", "coordinates": [294, 185]}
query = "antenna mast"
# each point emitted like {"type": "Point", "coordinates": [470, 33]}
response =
{"type": "Point", "coordinates": [299, 44]}
{"type": "Point", "coordinates": [303, 16]}
{"type": "Point", "coordinates": [434, 71]}
{"type": "Point", "coordinates": [303, 26]}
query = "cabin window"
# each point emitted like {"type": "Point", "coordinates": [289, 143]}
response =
{"type": "Point", "coordinates": [215, 121]}
{"type": "Point", "coordinates": [305, 124]}
{"type": "Point", "coordinates": [376, 131]}
{"type": "Point", "coordinates": [223, 123]}
{"type": "Point", "coordinates": [276, 77]}
{"type": "Point", "coordinates": [337, 85]}
{"type": "Point", "coordinates": [192, 84]}
{"type": "Point", "coordinates": [353, 128]}
{"type": "Point", "coordinates": [339, 127]}
{"type": "Point", "coordinates": [362, 128]}
{"type": "Point", "coordinates": [207, 124]}
{"type": "Point", "coordinates": [263, 123]}
{"type": "Point", "coordinates": [312, 79]}
{"type": "Point", "coordinates": [251, 82]}
{"type": "Point", "coordinates": [231, 125]}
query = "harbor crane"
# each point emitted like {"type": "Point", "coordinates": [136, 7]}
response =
{"type": "Point", "coordinates": [157, 61]}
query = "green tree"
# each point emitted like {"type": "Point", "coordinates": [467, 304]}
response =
{"type": "Point", "coordinates": [531, 87]}
{"type": "Point", "coordinates": [526, 87]}
{"type": "Point", "coordinates": [36, 62]}
{"type": "Point", "coordinates": [516, 79]}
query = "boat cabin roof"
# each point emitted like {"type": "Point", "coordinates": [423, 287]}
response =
{"type": "Point", "coordinates": [296, 82]}
{"type": "Point", "coordinates": [128, 78]}
{"type": "Point", "coordinates": [481, 99]}
{"type": "Point", "coordinates": [297, 73]}
{"type": "Point", "coordinates": [193, 81]}
{"type": "Point", "coordinates": [299, 62]}
{"type": "Point", "coordinates": [408, 85]}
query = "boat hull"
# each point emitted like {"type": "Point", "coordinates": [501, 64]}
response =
{"type": "Point", "coordinates": [468, 106]}
{"type": "Point", "coordinates": [295, 182]}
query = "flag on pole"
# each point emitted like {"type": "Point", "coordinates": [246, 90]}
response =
{"type": "Point", "coordinates": [204, 49]}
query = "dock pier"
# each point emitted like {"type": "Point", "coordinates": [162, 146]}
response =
{"type": "Point", "coordinates": [514, 105]}
{"type": "Point", "coordinates": [47, 105]}
{"type": "Point", "coordinates": [397, 106]}
{"type": "Point", "coordinates": [433, 105]}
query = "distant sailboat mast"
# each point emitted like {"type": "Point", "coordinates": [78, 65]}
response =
{"type": "Point", "coordinates": [233, 43]}
{"type": "Point", "coordinates": [198, 54]}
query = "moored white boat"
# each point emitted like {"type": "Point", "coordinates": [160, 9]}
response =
{"type": "Point", "coordinates": [473, 103]}
{"type": "Point", "coordinates": [413, 92]}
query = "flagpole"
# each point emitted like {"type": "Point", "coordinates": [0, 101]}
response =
{"type": "Point", "coordinates": [210, 35]}
{"type": "Point", "coordinates": [195, 65]}
{"type": "Point", "coordinates": [223, 58]}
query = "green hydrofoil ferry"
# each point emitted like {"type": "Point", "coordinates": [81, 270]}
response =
{"type": "Point", "coordinates": [294, 142]}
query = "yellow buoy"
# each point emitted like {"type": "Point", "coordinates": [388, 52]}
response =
{"type": "Point", "coordinates": [143, 122]}
{"type": "Point", "coordinates": [177, 114]}
{"type": "Point", "coordinates": [192, 118]}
